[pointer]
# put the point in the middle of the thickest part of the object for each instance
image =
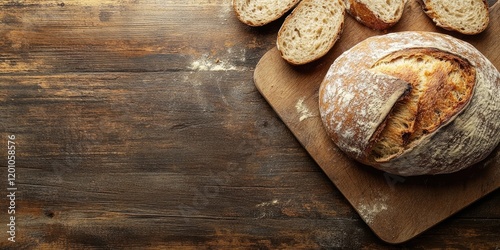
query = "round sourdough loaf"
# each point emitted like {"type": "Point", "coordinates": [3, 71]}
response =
{"type": "Point", "coordinates": [412, 103]}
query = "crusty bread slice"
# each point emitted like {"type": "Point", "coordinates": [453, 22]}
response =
{"type": "Point", "coordinates": [467, 17]}
{"type": "Point", "coordinates": [261, 12]}
{"type": "Point", "coordinates": [376, 14]}
{"type": "Point", "coordinates": [311, 30]}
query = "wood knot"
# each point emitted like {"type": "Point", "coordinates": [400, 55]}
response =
{"type": "Point", "coordinates": [49, 213]}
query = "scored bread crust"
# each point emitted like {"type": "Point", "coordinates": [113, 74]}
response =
{"type": "Point", "coordinates": [353, 106]}
{"type": "Point", "coordinates": [365, 13]}
{"type": "Point", "coordinates": [468, 22]}
{"type": "Point", "coordinates": [261, 12]}
{"type": "Point", "coordinates": [311, 30]}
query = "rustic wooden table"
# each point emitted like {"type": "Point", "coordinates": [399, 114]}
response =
{"type": "Point", "coordinates": [136, 123]}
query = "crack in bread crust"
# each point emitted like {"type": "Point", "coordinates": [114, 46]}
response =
{"type": "Point", "coordinates": [442, 84]}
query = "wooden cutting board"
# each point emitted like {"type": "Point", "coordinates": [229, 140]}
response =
{"type": "Point", "coordinates": [396, 208]}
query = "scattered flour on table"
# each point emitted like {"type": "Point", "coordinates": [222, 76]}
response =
{"type": "Point", "coordinates": [225, 12]}
{"type": "Point", "coordinates": [302, 109]}
{"type": "Point", "coordinates": [266, 204]}
{"type": "Point", "coordinates": [207, 64]}
{"type": "Point", "coordinates": [270, 209]}
{"type": "Point", "coordinates": [224, 61]}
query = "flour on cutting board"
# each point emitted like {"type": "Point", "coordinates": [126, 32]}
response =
{"type": "Point", "coordinates": [302, 109]}
{"type": "Point", "coordinates": [368, 211]}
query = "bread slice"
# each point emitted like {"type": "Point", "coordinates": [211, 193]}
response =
{"type": "Point", "coordinates": [261, 12]}
{"type": "Point", "coordinates": [467, 17]}
{"type": "Point", "coordinates": [376, 14]}
{"type": "Point", "coordinates": [311, 30]}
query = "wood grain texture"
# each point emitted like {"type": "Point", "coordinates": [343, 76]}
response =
{"type": "Point", "coordinates": [138, 126]}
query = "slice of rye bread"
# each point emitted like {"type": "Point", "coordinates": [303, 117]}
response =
{"type": "Point", "coordinates": [376, 14]}
{"type": "Point", "coordinates": [468, 17]}
{"type": "Point", "coordinates": [311, 30]}
{"type": "Point", "coordinates": [261, 12]}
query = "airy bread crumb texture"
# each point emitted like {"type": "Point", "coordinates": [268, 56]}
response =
{"type": "Point", "coordinates": [442, 85]}
{"type": "Point", "coordinates": [387, 10]}
{"type": "Point", "coordinates": [311, 30]}
{"type": "Point", "coordinates": [465, 16]}
{"type": "Point", "coordinates": [261, 12]}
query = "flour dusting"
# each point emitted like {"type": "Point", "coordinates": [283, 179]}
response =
{"type": "Point", "coordinates": [266, 204]}
{"type": "Point", "coordinates": [225, 12]}
{"type": "Point", "coordinates": [369, 211]}
{"type": "Point", "coordinates": [303, 110]}
{"type": "Point", "coordinates": [273, 208]}
{"type": "Point", "coordinates": [208, 64]}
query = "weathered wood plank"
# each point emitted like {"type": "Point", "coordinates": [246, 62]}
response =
{"type": "Point", "coordinates": [183, 159]}
{"type": "Point", "coordinates": [123, 36]}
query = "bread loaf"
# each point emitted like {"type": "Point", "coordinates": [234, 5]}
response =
{"type": "Point", "coordinates": [311, 30]}
{"type": "Point", "coordinates": [468, 17]}
{"type": "Point", "coordinates": [261, 12]}
{"type": "Point", "coordinates": [376, 14]}
{"type": "Point", "coordinates": [412, 103]}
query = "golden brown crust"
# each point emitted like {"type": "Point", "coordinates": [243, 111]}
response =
{"type": "Point", "coordinates": [389, 90]}
{"type": "Point", "coordinates": [367, 17]}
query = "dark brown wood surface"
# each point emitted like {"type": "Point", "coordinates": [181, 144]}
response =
{"type": "Point", "coordinates": [137, 125]}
